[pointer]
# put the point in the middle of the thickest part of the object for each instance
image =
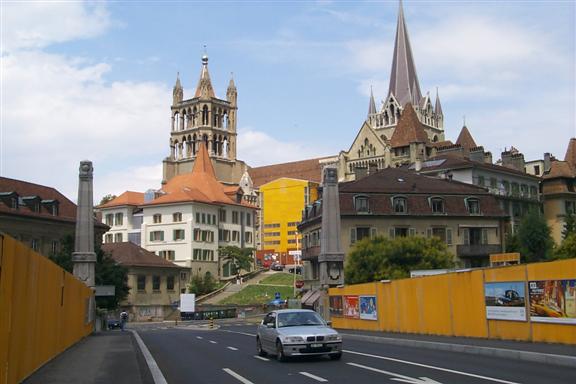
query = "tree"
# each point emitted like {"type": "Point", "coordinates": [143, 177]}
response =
{"type": "Point", "coordinates": [107, 271]}
{"type": "Point", "coordinates": [202, 285]}
{"type": "Point", "coordinates": [512, 243]}
{"type": "Point", "coordinates": [534, 237]}
{"type": "Point", "coordinates": [566, 250]}
{"type": "Point", "coordinates": [107, 198]}
{"type": "Point", "coordinates": [382, 258]}
{"type": "Point", "coordinates": [569, 225]}
{"type": "Point", "coordinates": [241, 258]}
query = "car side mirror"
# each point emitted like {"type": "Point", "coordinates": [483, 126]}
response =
{"type": "Point", "coordinates": [329, 323]}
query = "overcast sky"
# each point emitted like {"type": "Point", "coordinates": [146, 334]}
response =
{"type": "Point", "coordinates": [93, 80]}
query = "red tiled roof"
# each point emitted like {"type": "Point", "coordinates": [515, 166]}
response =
{"type": "Point", "coordinates": [465, 139]}
{"type": "Point", "coordinates": [126, 198]}
{"type": "Point", "coordinates": [310, 170]}
{"type": "Point", "coordinates": [131, 255]}
{"type": "Point", "coordinates": [66, 208]}
{"type": "Point", "coordinates": [409, 129]}
{"type": "Point", "coordinates": [560, 169]}
{"type": "Point", "coordinates": [458, 162]}
{"type": "Point", "coordinates": [570, 156]}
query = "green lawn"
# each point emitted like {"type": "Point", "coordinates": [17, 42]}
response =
{"type": "Point", "coordinates": [281, 278]}
{"type": "Point", "coordinates": [258, 294]}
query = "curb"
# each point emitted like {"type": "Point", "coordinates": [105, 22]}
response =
{"type": "Point", "coordinates": [514, 354]}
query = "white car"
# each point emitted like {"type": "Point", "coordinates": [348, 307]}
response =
{"type": "Point", "coordinates": [297, 332]}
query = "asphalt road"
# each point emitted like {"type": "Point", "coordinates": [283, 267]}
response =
{"type": "Point", "coordinates": [228, 355]}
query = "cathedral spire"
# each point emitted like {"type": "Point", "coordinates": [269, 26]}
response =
{"type": "Point", "coordinates": [404, 83]}
{"type": "Point", "coordinates": [204, 88]}
{"type": "Point", "coordinates": [177, 92]}
{"type": "Point", "coordinates": [371, 104]}
{"type": "Point", "coordinates": [438, 107]}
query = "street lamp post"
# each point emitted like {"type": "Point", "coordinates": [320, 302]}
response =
{"type": "Point", "coordinates": [297, 258]}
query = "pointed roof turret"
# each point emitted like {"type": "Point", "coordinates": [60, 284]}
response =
{"type": "Point", "coordinates": [570, 156]}
{"type": "Point", "coordinates": [177, 91]}
{"type": "Point", "coordinates": [231, 84]}
{"type": "Point", "coordinates": [409, 129]}
{"type": "Point", "coordinates": [438, 107]}
{"type": "Point", "coordinates": [204, 88]}
{"type": "Point", "coordinates": [465, 139]}
{"type": "Point", "coordinates": [371, 104]}
{"type": "Point", "coordinates": [404, 83]}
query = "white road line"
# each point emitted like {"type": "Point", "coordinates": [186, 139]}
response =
{"type": "Point", "coordinates": [213, 342]}
{"type": "Point", "coordinates": [199, 337]}
{"type": "Point", "coordinates": [317, 378]}
{"type": "Point", "coordinates": [237, 376]}
{"type": "Point", "coordinates": [240, 333]}
{"type": "Point", "coordinates": [232, 348]}
{"type": "Point", "coordinates": [155, 371]}
{"type": "Point", "coordinates": [433, 367]}
{"type": "Point", "coordinates": [397, 377]}
{"type": "Point", "coordinates": [261, 358]}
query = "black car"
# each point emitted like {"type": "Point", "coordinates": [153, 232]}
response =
{"type": "Point", "coordinates": [298, 269]}
{"type": "Point", "coordinates": [113, 323]}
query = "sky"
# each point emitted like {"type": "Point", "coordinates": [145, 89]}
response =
{"type": "Point", "coordinates": [93, 79]}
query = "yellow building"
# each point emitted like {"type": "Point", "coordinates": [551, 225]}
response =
{"type": "Point", "coordinates": [282, 202]}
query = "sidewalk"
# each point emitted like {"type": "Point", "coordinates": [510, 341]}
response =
{"type": "Point", "coordinates": [104, 357]}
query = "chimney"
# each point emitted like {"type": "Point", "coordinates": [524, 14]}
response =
{"type": "Point", "coordinates": [547, 160]}
{"type": "Point", "coordinates": [514, 160]}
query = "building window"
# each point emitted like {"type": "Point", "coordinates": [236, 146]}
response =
{"type": "Point", "coordinates": [35, 244]}
{"type": "Point", "coordinates": [119, 218]}
{"type": "Point", "coordinates": [178, 234]}
{"type": "Point", "coordinates": [214, 219]}
{"type": "Point", "coordinates": [234, 217]}
{"type": "Point", "coordinates": [157, 236]}
{"type": "Point", "coordinates": [493, 182]}
{"type": "Point", "coordinates": [170, 283]}
{"type": "Point", "coordinates": [183, 276]}
{"type": "Point", "coordinates": [109, 238]}
{"type": "Point", "coordinates": [570, 207]}
{"type": "Point", "coordinates": [157, 218]}
{"type": "Point", "coordinates": [167, 255]}
{"type": "Point", "coordinates": [533, 192]}
{"type": "Point", "coordinates": [359, 233]}
{"type": "Point", "coordinates": [156, 283]}
{"type": "Point", "coordinates": [293, 223]}
{"type": "Point", "coordinates": [481, 181]}
{"type": "Point", "coordinates": [248, 237]}
{"type": "Point", "coordinates": [473, 206]}
{"type": "Point", "coordinates": [54, 247]}
{"type": "Point", "coordinates": [235, 236]}
{"type": "Point", "coordinates": [224, 235]}
{"type": "Point", "coordinates": [198, 217]}
{"type": "Point", "coordinates": [141, 284]}
{"type": "Point", "coordinates": [437, 205]}
{"type": "Point", "coordinates": [515, 189]}
{"type": "Point", "coordinates": [109, 220]}
{"type": "Point", "coordinates": [400, 205]}
{"type": "Point", "coordinates": [248, 219]}
{"type": "Point", "coordinates": [537, 170]}
{"type": "Point", "coordinates": [361, 204]}
{"type": "Point", "coordinates": [222, 215]}
{"type": "Point", "coordinates": [118, 238]}
{"type": "Point", "coordinates": [177, 217]}
{"type": "Point", "coordinates": [271, 234]}
{"type": "Point", "coordinates": [274, 225]}
{"type": "Point", "coordinates": [203, 218]}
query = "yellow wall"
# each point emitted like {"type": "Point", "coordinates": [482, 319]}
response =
{"type": "Point", "coordinates": [283, 201]}
{"type": "Point", "coordinates": [42, 310]}
{"type": "Point", "coordinates": [454, 305]}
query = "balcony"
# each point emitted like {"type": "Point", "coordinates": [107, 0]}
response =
{"type": "Point", "coordinates": [310, 253]}
{"type": "Point", "coordinates": [476, 250]}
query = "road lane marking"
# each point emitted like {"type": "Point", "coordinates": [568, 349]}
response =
{"type": "Point", "coordinates": [317, 378]}
{"type": "Point", "coordinates": [199, 337]}
{"type": "Point", "coordinates": [213, 342]}
{"type": "Point", "coordinates": [432, 367]}
{"type": "Point", "coordinates": [261, 358]}
{"type": "Point", "coordinates": [397, 376]}
{"type": "Point", "coordinates": [240, 333]}
{"type": "Point", "coordinates": [155, 371]}
{"type": "Point", "coordinates": [232, 348]}
{"type": "Point", "coordinates": [237, 376]}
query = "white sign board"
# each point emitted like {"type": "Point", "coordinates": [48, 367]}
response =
{"type": "Point", "coordinates": [295, 253]}
{"type": "Point", "coordinates": [105, 290]}
{"type": "Point", "coordinates": [187, 302]}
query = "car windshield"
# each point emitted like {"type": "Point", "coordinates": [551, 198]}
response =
{"type": "Point", "coordinates": [295, 319]}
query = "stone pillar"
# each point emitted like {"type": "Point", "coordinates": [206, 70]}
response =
{"type": "Point", "coordinates": [84, 258]}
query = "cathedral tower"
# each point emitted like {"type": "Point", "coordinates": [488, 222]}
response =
{"type": "Point", "coordinates": [204, 119]}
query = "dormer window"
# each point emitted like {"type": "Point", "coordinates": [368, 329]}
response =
{"type": "Point", "coordinates": [51, 206]}
{"type": "Point", "coordinates": [361, 204]}
{"type": "Point", "coordinates": [32, 202]}
{"type": "Point", "coordinates": [473, 206]}
{"type": "Point", "coordinates": [400, 205]}
{"type": "Point", "coordinates": [437, 204]}
{"type": "Point", "coordinates": [10, 199]}
{"type": "Point", "coordinates": [157, 218]}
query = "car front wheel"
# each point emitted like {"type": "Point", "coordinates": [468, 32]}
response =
{"type": "Point", "coordinates": [261, 351]}
{"type": "Point", "coordinates": [280, 352]}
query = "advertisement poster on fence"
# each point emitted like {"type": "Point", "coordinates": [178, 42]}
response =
{"type": "Point", "coordinates": [553, 301]}
{"type": "Point", "coordinates": [336, 305]}
{"type": "Point", "coordinates": [505, 300]}
{"type": "Point", "coordinates": [351, 307]}
{"type": "Point", "coordinates": [368, 308]}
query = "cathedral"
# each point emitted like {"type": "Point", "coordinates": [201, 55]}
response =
{"type": "Point", "coordinates": [207, 119]}
{"type": "Point", "coordinates": [408, 127]}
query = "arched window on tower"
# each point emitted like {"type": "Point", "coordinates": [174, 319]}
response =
{"type": "Point", "coordinates": [194, 145]}
{"type": "Point", "coordinates": [176, 121]}
{"type": "Point", "coordinates": [205, 115]}
{"type": "Point", "coordinates": [225, 147]}
{"type": "Point", "coordinates": [194, 117]}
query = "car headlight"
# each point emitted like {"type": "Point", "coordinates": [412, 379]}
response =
{"type": "Point", "coordinates": [334, 338]}
{"type": "Point", "coordinates": [293, 339]}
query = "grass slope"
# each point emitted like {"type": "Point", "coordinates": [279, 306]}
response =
{"type": "Point", "coordinates": [258, 294]}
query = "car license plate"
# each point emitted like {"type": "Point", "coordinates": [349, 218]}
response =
{"type": "Point", "coordinates": [315, 345]}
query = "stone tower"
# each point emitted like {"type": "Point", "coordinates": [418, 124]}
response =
{"type": "Point", "coordinates": [204, 118]}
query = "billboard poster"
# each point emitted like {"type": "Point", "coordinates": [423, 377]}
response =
{"type": "Point", "coordinates": [368, 308]}
{"type": "Point", "coordinates": [351, 307]}
{"type": "Point", "coordinates": [505, 300]}
{"type": "Point", "coordinates": [336, 305]}
{"type": "Point", "coordinates": [553, 301]}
